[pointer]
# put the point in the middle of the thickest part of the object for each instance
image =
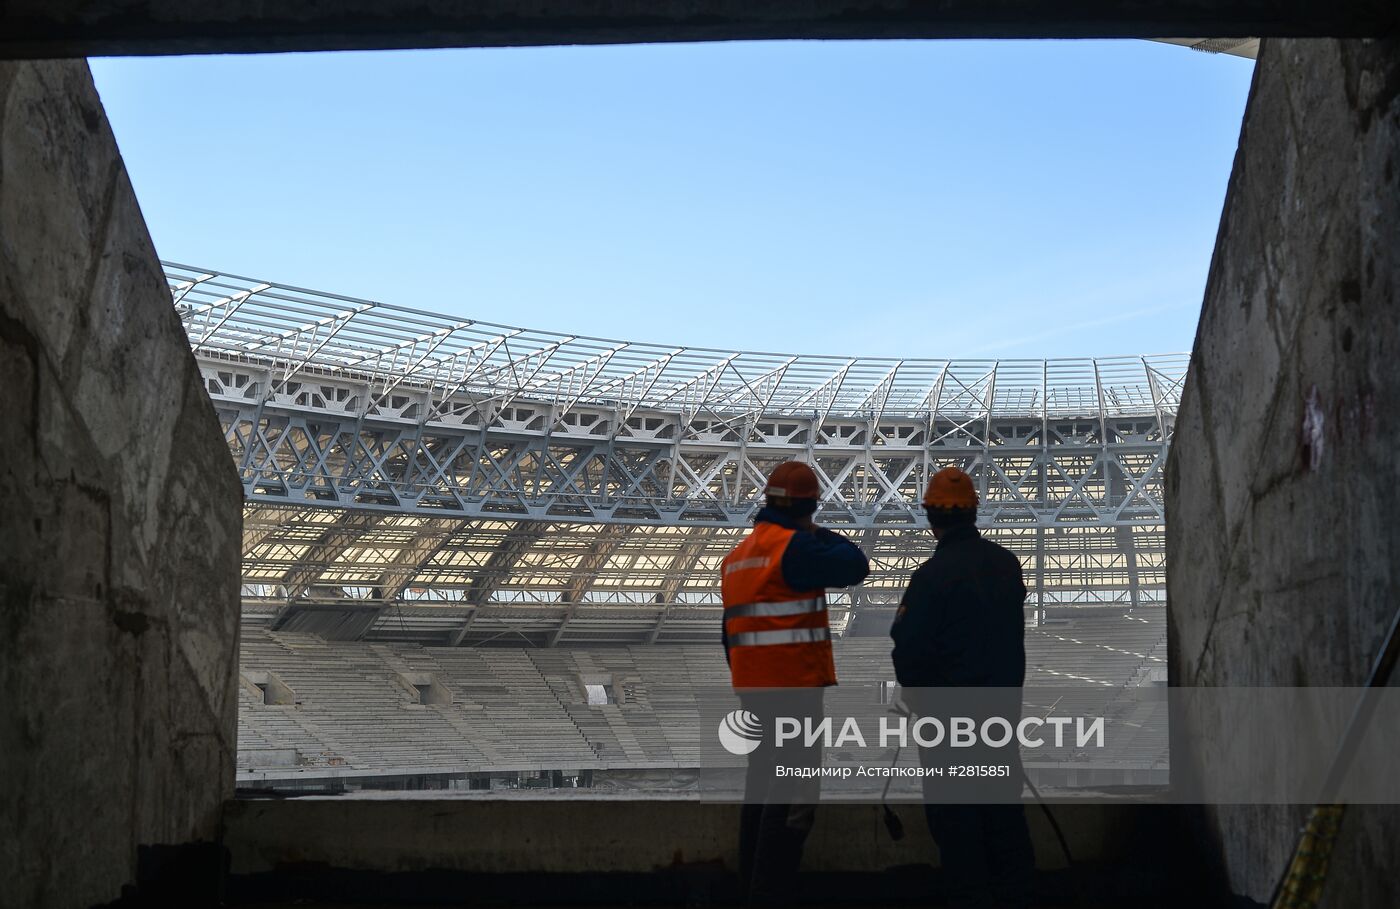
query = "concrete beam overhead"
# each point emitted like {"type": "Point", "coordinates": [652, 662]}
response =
{"type": "Point", "coordinates": [68, 28]}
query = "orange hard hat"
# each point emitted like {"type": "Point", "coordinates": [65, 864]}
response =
{"type": "Point", "coordinates": [951, 487]}
{"type": "Point", "coordinates": [793, 480]}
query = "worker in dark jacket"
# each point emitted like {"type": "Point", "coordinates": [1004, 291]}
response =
{"type": "Point", "coordinates": [778, 643]}
{"type": "Point", "coordinates": [961, 625]}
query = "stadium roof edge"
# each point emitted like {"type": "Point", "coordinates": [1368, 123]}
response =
{"type": "Point", "coordinates": [296, 332]}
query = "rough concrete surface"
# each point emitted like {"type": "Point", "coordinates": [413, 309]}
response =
{"type": "Point", "coordinates": [120, 525]}
{"type": "Point", "coordinates": [542, 836]}
{"type": "Point", "coordinates": [1283, 485]}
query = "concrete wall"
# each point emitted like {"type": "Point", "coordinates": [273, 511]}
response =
{"type": "Point", "coordinates": [556, 850]}
{"type": "Point", "coordinates": [119, 521]}
{"type": "Point", "coordinates": [558, 834]}
{"type": "Point", "coordinates": [1283, 487]}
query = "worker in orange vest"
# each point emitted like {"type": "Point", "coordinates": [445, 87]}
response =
{"type": "Point", "coordinates": [778, 643]}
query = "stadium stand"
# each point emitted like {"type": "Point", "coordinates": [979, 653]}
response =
{"type": "Point", "coordinates": [361, 710]}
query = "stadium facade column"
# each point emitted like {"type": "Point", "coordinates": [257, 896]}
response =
{"type": "Point", "coordinates": [1040, 573]}
{"type": "Point", "coordinates": [1122, 535]}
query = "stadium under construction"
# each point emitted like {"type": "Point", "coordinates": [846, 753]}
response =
{"type": "Point", "coordinates": [417, 485]}
{"type": "Point", "coordinates": [310, 598]}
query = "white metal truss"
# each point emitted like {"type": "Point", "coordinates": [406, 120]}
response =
{"type": "Point", "coordinates": [575, 583]}
{"type": "Point", "coordinates": [402, 458]}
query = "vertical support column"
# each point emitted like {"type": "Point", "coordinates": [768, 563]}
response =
{"type": "Point", "coordinates": [1122, 536]}
{"type": "Point", "coordinates": [1127, 545]}
{"type": "Point", "coordinates": [1044, 503]}
{"type": "Point", "coordinates": [741, 461]}
{"type": "Point", "coordinates": [1040, 576]}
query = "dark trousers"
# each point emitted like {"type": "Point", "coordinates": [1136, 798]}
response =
{"type": "Point", "coordinates": [778, 812]}
{"type": "Point", "coordinates": [979, 824]}
{"type": "Point", "coordinates": [986, 854]}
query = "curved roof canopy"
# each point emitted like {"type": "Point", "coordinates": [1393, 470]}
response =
{"type": "Point", "coordinates": [411, 475]}
{"type": "Point", "coordinates": [302, 332]}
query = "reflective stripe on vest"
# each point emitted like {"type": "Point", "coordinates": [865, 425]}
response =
{"type": "Point", "coordinates": [778, 637]}
{"type": "Point", "coordinates": [784, 607]}
{"type": "Point", "coordinates": [784, 636]}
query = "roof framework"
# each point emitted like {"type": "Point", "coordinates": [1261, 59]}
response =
{"type": "Point", "coordinates": [410, 474]}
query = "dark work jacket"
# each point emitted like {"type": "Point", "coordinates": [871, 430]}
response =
{"type": "Point", "coordinates": [813, 560]}
{"type": "Point", "coordinates": [961, 622]}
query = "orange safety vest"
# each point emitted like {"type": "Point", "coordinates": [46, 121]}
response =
{"type": "Point", "coordinates": [778, 637]}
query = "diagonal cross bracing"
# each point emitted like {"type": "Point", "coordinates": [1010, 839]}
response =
{"type": "Point", "coordinates": [457, 428]}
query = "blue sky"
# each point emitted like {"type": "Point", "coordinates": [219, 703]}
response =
{"type": "Point", "coordinates": [976, 199]}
